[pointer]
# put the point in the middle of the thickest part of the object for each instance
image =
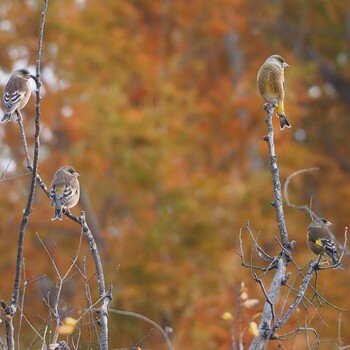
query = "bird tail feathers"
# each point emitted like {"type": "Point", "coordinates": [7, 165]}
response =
{"type": "Point", "coordinates": [7, 116]}
{"type": "Point", "coordinates": [58, 213]}
{"type": "Point", "coordinates": [283, 121]}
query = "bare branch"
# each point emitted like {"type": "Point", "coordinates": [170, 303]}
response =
{"type": "Point", "coordinates": [61, 280]}
{"type": "Point", "coordinates": [262, 254]}
{"type": "Point", "coordinates": [106, 297]}
{"type": "Point", "coordinates": [286, 187]}
{"type": "Point", "coordinates": [269, 326]}
{"type": "Point", "coordinates": [258, 279]}
{"type": "Point", "coordinates": [298, 330]}
{"type": "Point", "coordinates": [10, 310]}
{"type": "Point", "coordinates": [28, 209]}
{"type": "Point", "coordinates": [278, 204]}
{"type": "Point", "coordinates": [306, 208]}
{"type": "Point", "coordinates": [265, 331]}
{"type": "Point", "coordinates": [314, 266]}
{"type": "Point", "coordinates": [146, 319]}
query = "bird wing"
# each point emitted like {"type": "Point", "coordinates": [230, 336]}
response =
{"type": "Point", "coordinates": [11, 100]}
{"type": "Point", "coordinates": [329, 248]}
{"type": "Point", "coordinates": [67, 194]}
{"type": "Point", "coordinates": [61, 194]}
{"type": "Point", "coordinates": [53, 195]}
{"type": "Point", "coordinates": [328, 245]}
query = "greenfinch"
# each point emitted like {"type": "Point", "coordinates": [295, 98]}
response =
{"type": "Point", "coordinates": [271, 85]}
{"type": "Point", "coordinates": [319, 240]}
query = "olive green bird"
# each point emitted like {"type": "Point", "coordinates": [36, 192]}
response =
{"type": "Point", "coordinates": [320, 241]}
{"type": "Point", "coordinates": [271, 85]}
{"type": "Point", "coordinates": [65, 190]}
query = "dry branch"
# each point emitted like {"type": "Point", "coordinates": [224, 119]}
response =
{"type": "Point", "coordinates": [270, 323]}
{"type": "Point", "coordinates": [11, 309]}
{"type": "Point", "coordinates": [265, 327]}
{"type": "Point", "coordinates": [105, 297]}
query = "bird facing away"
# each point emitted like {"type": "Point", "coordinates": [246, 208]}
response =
{"type": "Point", "coordinates": [319, 240]}
{"type": "Point", "coordinates": [65, 190]}
{"type": "Point", "coordinates": [17, 92]}
{"type": "Point", "coordinates": [271, 85]}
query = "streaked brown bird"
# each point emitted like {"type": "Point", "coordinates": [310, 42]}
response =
{"type": "Point", "coordinates": [319, 240]}
{"type": "Point", "coordinates": [271, 85]}
{"type": "Point", "coordinates": [17, 92]}
{"type": "Point", "coordinates": [65, 190]}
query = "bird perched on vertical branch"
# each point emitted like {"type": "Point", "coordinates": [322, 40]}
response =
{"type": "Point", "coordinates": [320, 241]}
{"type": "Point", "coordinates": [65, 190]}
{"type": "Point", "coordinates": [17, 92]}
{"type": "Point", "coordinates": [271, 85]}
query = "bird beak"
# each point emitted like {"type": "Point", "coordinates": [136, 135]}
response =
{"type": "Point", "coordinates": [285, 65]}
{"type": "Point", "coordinates": [76, 174]}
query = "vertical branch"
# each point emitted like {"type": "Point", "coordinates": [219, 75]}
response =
{"type": "Point", "coordinates": [106, 297]}
{"type": "Point", "coordinates": [11, 309]}
{"type": "Point", "coordinates": [265, 329]}
{"type": "Point", "coordinates": [28, 208]}
{"type": "Point", "coordinates": [278, 204]}
{"type": "Point", "coordinates": [89, 300]}
{"type": "Point", "coordinates": [24, 138]}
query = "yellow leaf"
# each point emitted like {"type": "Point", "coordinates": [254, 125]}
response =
{"type": "Point", "coordinates": [258, 314]}
{"type": "Point", "coordinates": [227, 316]}
{"type": "Point", "coordinates": [68, 327]}
{"type": "Point", "coordinates": [65, 330]}
{"type": "Point", "coordinates": [70, 321]}
{"type": "Point", "coordinates": [253, 329]}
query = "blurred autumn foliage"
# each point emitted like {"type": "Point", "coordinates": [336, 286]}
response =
{"type": "Point", "coordinates": [156, 106]}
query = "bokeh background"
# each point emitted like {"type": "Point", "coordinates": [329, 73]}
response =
{"type": "Point", "coordinates": [155, 104]}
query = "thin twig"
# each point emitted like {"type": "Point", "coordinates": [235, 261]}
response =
{"type": "Point", "coordinates": [61, 280]}
{"type": "Point", "coordinates": [146, 319]}
{"type": "Point", "coordinates": [250, 265]}
{"type": "Point", "coordinates": [313, 267]}
{"type": "Point", "coordinates": [89, 299]}
{"type": "Point", "coordinates": [106, 297]}
{"type": "Point", "coordinates": [286, 187]}
{"type": "Point", "coordinates": [258, 279]}
{"type": "Point", "coordinates": [262, 254]}
{"type": "Point", "coordinates": [306, 208]}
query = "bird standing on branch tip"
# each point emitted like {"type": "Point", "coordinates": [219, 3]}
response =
{"type": "Point", "coordinates": [65, 190]}
{"type": "Point", "coordinates": [271, 85]}
{"type": "Point", "coordinates": [320, 241]}
{"type": "Point", "coordinates": [17, 92]}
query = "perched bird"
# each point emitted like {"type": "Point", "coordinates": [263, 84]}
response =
{"type": "Point", "coordinates": [319, 239]}
{"type": "Point", "coordinates": [271, 85]}
{"type": "Point", "coordinates": [65, 190]}
{"type": "Point", "coordinates": [17, 92]}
